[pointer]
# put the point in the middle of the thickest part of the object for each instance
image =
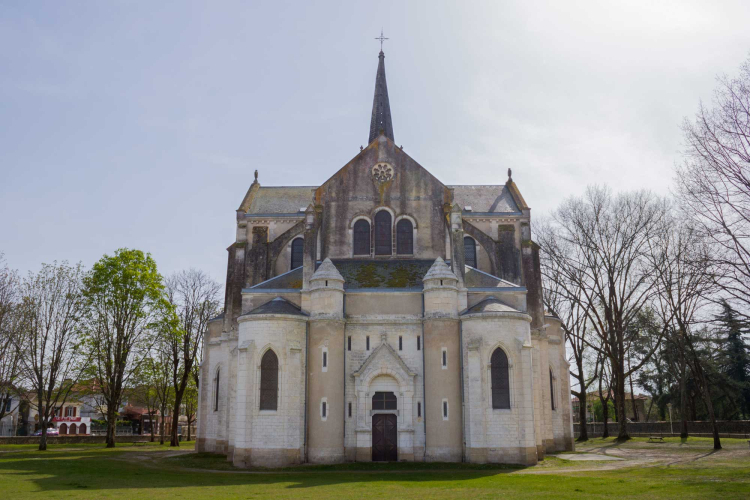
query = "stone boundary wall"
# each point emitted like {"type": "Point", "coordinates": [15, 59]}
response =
{"type": "Point", "coordinates": [72, 439]}
{"type": "Point", "coordinates": [727, 429]}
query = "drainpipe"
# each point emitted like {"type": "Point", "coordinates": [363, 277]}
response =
{"type": "Point", "coordinates": [463, 404]}
{"type": "Point", "coordinates": [343, 381]}
{"type": "Point", "coordinates": [307, 371]}
{"type": "Point", "coordinates": [424, 387]}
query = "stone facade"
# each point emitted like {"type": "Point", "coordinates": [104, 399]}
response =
{"type": "Point", "coordinates": [384, 306]}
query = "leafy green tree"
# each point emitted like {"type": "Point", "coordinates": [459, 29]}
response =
{"type": "Point", "coordinates": [124, 294]}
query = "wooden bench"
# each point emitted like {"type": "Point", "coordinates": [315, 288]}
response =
{"type": "Point", "coordinates": [654, 439]}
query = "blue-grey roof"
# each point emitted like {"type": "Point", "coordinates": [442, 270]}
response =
{"type": "Point", "coordinates": [490, 305]}
{"type": "Point", "coordinates": [279, 305]}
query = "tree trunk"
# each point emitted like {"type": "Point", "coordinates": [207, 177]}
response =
{"type": "Point", "coordinates": [161, 427]}
{"type": "Point", "coordinates": [111, 425]}
{"type": "Point", "coordinates": [620, 404]}
{"type": "Point", "coordinates": [710, 408]}
{"type": "Point", "coordinates": [174, 440]}
{"type": "Point", "coordinates": [151, 425]}
{"type": "Point", "coordinates": [189, 436]}
{"type": "Point", "coordinates": [632, 399]}
{"type": "Point", "coordinates": [605, 407]}
{"type": "Point", "coordinates": [683, 400]}
{"type": "Point", "coordinates": [584, 435]}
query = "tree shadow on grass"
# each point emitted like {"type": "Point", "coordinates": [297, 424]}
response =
{"type": "Point", "coordinates": [93, 470]}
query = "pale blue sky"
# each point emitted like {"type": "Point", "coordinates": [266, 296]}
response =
{"type": "Point", "coordinates": [140, 123]}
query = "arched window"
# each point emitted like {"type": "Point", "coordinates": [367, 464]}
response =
{"type": "Point", "coordinates": [72, 428]}
{"type": "Point", "coordinates": [269, 380]}
{"type": "Point", "coordinates": [551, 390]}
{"type": "Point", "coordinates": [361, 237]}
{"type": "Point", "coordinates": [470, 251]}
{"type": "Point", "coordinates": [216, 391]}
{"type": "Point", "coordinates": [404, 237]}
{"type": "Point", "coordinates": [500, 380]}
{"type": "Point", "coordinates": [298, 250]}
{"type": "Point", "coordinates": [383, 245]}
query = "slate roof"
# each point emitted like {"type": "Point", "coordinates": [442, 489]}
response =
{"type": "Point", "coordinates": [279, 305]}
{"type": "Point", "coordinates": [474, 278]}
{"type": "Point", "coordinates": [281, 199]}
{"type": "Point", "coordinates": [440, 270]}
{"type": "Point", "coordinates": [286, 281]}
{"type": "Point", "coordinates": [383, 273]}
{"type": "Point", "coordinates": [485, 199]}
{"type": "Point", "coordinates": [327, 271]}
{"type": "Point", "coordinates": [489, 305]}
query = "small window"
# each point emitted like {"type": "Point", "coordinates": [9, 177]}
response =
{"type": "Point", "coordinates": [400, 343]}
{"type": "Point", "coordinates": [551, 390]}
{"type": "Point", "coordinates": [216, 391]}
{"type": "Point", "coordinates": [419, 342]}
{"type": "Point", "coordinates": [350, 409]}
{"type": "Point", "coordinates": [419, 409]}
{"type": "Point", "coordinates": [349, 343]}
{"type": "Point", "coordinates": [325, 359]}
{"type": "Point", "coordinates": [367, 342]}
{"type": "Point", "coordinates": [470, 251]}
{"type": "Point", "coordinates": [361, 237]}
{"type": "Point", "coordinates": [298, 252]}
{"type": "Point", "coordinates": [404, 237]}
{"type": "Point", "coordinates": [323, 409]}
{"type": "Point", "coordinates": [384, 401]}
{"type": "Point", "coordinates": [445, 358]}
{"type": "Point", "coordinates": [445, 409]}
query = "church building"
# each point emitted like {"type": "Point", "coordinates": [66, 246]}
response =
{"type": "Point", "coordinates": [384, 316]}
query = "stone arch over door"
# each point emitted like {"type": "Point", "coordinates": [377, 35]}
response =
{"type": "Point", "coordinates": [385, 369]}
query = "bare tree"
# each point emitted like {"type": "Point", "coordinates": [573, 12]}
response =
{"type": "Point", "coordinates": [194, 297]}
{"type": "Point", "coordinates": [680, 255]}
{"type": "Point", "coordinates": [600, 244]}
{"type": "Point", "coordinates": [11, 344]}
{"type": "Point", "coordinates": [714, 182]}
{"type": "Point", "coordinates": [52, 309]}
{"type": "Point", "coordinates": [565, 300]}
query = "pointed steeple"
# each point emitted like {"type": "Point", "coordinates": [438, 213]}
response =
{"type": "Point", "coordinates": [381, 108]}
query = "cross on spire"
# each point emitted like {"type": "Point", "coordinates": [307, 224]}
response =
{"type": "Point", "coordinates": [381, 38]}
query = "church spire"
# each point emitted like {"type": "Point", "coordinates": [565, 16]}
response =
{"type": "Point", "coordinates": [381, 108]}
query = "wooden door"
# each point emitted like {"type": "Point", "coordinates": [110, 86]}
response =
{"type": "Point", "coordinates": [384, 438]}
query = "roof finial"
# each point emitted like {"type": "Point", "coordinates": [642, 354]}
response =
{"type": "Point", "coordinates": [381, 108]}
{"type": "Point", "coordinates": [510, 177]}
{"type": "Point", "coordinates": [256, 175]}
{"type": "Point", "coordinates": [381, 38]}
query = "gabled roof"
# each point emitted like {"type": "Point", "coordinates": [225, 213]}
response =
{"type": "Point", "coordinates": [384, 350]}
{"type": "Point", "coordinates": [485, 199]}
{"type": "Point", "coordinates": [280, 200]}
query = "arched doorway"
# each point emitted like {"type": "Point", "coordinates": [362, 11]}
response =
{"type": "Point", "coordinates": [82, 429]}
{"type": "Point", "coordinates": [63, 428]}
{"type": "Point", "coordinates": [72, 428]}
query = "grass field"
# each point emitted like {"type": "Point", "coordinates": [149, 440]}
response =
{"type": "Point", "coordinates": [673, 469]}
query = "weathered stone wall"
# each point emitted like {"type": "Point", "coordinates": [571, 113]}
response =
{"type": "Point", "coordinates": [353, 191]}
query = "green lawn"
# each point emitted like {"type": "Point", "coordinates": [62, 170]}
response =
{"type": "Point", "coordinates": [669, 470]}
